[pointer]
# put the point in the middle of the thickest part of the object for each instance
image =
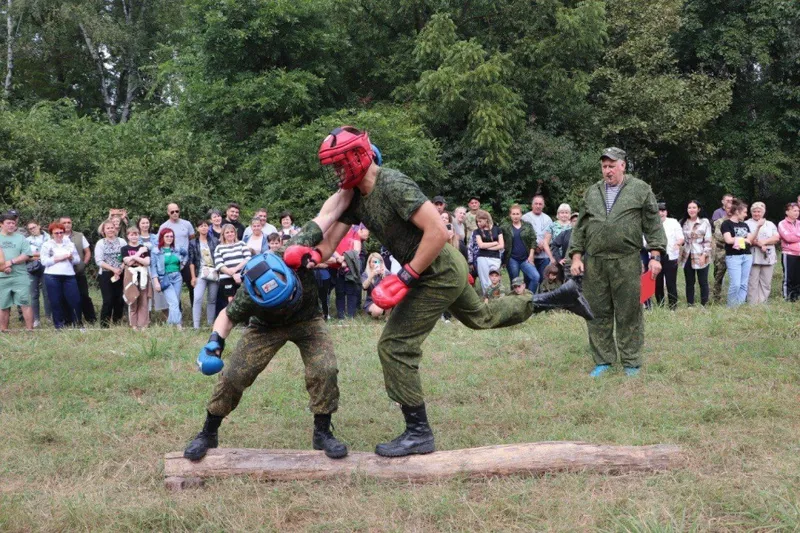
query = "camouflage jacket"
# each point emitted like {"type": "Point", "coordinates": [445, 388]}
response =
{"type": "Point", "coordinates": [493, 292]}
{"type": "Point", "coordinates": [387, 212]}
{"type": "Point", "coordinates": [618, 233]}
{"type": "Point", "coordinates": [717, 239]}
{"type": "Point", "coordinates": [244, 310]}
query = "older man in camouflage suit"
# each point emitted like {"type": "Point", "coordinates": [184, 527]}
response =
{"type": "Point", "coordinates": [604, 248]}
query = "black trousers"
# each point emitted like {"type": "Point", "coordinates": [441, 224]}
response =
{"type": "Point", "coordinates": [111, 311]}
{"type": "Point", "coordinates": [791, 277]}
{"type": "Point", "coordinates": [669, 273]}
{"type": "Point", "coordinates": [186, 274]}
{"type": "Point", "coordinates": [87, 305]}
{"type": "Point", "coordinates": [702, 278]}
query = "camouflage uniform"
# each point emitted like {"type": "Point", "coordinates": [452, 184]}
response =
{"type": "Point", "coordinates": [268, 330]}
{"type": "Point", "coordinates": [610, 243]}
{"type": "Point", "coordinates": [548, 286]}
{"type": "Point", "coordinates": [720, 268]}
{"type": "Point", "coordinates": [494, 292]}
{"type": "Point", "coordinates": [387, 211]}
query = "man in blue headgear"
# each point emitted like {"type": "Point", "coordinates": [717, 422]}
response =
{"type": "Point", "coordinates": [279, 305]}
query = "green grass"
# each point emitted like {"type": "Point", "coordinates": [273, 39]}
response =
{"type": "Point", "coordinates": [87, 418]}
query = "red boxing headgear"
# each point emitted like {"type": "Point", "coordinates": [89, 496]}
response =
{"type": "Point", "coordinates": [350, 153]}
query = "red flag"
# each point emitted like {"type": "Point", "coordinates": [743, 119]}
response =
{"type": "Point", "coordinates": [648, 287]}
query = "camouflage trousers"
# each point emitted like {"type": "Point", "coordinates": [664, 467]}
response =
{"type": "Point", "coordinates": [612, 287]}
{"type": "Point", "coordinates": [720, 268]}
{"type": "Point", "coordinates": [256, 349]}
{"type": "Point", "coordinates": [441, 287]}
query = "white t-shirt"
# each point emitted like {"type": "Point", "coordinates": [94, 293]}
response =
{"type": "Point", "coordinates": [767, 230]}
{"type": "Point", "coordinates": [540, 224]}
{"type": "Point", "coordinates": [267, 230]}
{"type": "Point", "coordinates": [674, 233]}
{"type": "Point", "coordinates": [255, 243]}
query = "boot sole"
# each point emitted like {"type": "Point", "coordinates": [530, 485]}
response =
{"type": "Point", "coordinates": [422, 449]}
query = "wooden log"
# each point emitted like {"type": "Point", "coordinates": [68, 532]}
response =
{"type": "Point", "coordinates": [528, 459]}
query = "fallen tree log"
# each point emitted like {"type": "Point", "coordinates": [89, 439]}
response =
{"type": "Point", "coordinates": [529, 459]}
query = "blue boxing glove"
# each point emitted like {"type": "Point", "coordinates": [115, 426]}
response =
{"type": "Point", "coordinates": [209, 360]}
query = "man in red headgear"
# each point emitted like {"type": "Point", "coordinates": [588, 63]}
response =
{"type": "Point", "coordinates": [433, 278]}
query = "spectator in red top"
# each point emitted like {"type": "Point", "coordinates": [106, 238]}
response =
{"type": "Point", "coordinates": [348, 282]}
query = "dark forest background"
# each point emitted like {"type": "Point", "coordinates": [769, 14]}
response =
{"type": "Point", "coordinates": [133, 103]}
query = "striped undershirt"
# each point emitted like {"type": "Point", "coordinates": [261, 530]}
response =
{"type": "Point", "coordinates": [611, 195]}
{"type": "Point", "coordinates": [230, 255]}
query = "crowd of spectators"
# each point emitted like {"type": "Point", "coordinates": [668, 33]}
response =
{"type": "Point", "coordinates": [141, 271]}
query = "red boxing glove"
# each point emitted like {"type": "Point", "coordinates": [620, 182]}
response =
{"type": "Point", "coordinates": [394, 288]}
{"type": "Point", "coordinates": [297, 256]}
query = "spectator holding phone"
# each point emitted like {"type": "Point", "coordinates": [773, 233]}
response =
{"type": "Point", "coordinates": [371, 278]}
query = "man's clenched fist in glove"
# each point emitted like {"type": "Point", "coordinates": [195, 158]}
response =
{"type": "Point", "coordinates": [209, 360]}
{"type": "Point", "coordinates": [297, 256]}
{"type": "Point", "coordinates": [394, 288]}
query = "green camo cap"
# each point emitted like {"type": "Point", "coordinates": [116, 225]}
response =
{"type": "Point", "coordinates": [518, 281]}
{"type": "Point", "coordinates": [614, 153]}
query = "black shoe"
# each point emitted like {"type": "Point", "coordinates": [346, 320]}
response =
{"type": "Point", "coordinates": [416, 439]}
{"type": "Point", "coordinates": [205, 440]}
{"type": "Point", "coordinates": [323, 439]}
{"type": "Point", "coordinates": [569, 297]}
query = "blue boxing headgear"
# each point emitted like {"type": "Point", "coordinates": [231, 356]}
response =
{"type": "Point", "coordinates": [378, 157]}
{"type": "Point", "coordinates": [271, 283]}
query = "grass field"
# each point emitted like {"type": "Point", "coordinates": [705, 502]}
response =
{"type": "Point", "coordinates": [86, 419]}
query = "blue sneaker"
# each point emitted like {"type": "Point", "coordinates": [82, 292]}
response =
{"type": "Point", "coordinates": [631, 371]}
{"type": "Point", "coordinates": [599, 370]}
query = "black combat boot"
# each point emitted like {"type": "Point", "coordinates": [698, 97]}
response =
{"type": "Point", "coordinates": [324, 440]}
{"type": "Point", "coordinates": [569, 296]}
{"type": "Point", "coordinates": [416, 439]}
{"type": "Point", "coordinates": [204, 440]}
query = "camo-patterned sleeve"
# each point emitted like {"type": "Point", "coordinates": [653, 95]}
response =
{"type": "Point", "coordinates": [404, 195]}
{"type": "Point", "coordinates": [241, 308]}
{"type": "Point", "coordinates": [309, 235]}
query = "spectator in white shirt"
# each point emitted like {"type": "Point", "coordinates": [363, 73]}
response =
{"type": "Point", "coordinates": [59, 255]}
{"type": "Point", "coordinates": [764, 255]}
{"type": "Point", "coordinates": [266, 229]}
{"type": "Point", "coordinates": [540, 222]}
{"type": "Point", "coordinates": [669, 265]}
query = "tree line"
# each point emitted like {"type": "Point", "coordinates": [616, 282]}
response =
{"type": "Point", "coordinates": [136, 102]}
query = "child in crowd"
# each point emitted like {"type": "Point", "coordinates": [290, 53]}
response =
{"type": "Point", "coordinates": [518, 285]}
{"type": "Point", "coordinates": [136, 280]}
{"type": "Point", "coordinates": [495, 288]}
{"type": "Point", "coordinates": [552, 278]}
{"type": "Point", "coordinates": [274, 240]}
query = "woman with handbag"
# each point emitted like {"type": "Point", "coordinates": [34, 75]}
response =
{"type": "Point", "coordinates": [108, 257]}
{"type": "Point", "coordinates": [36, 238]}
{"type": "Point", "coordinates": [205, 278]}
{"type": "Point", "coordinates": [58, 256]}
{"type": "Point", "coordinates": [230, 257]}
